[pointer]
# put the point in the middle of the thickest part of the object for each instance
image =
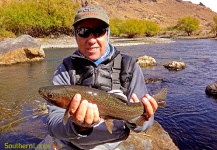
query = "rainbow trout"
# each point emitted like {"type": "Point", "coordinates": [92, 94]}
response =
{"type": "Point", "coordinates": [111, 106]}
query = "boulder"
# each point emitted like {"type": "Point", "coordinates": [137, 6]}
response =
{"type": "Point", "coordinates": [211, 89]}
{"type": "Point", "coordinates": [145, 61]}
{"type": "Point", "coordinates": [156, 138]}
{"type": "Point", "coordinates": [175, 66]}
{"type": "Point", "coordinates": [21, 49]}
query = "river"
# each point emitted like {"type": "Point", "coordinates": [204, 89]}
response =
{"type": "Point", "coordinates": [190, 115]}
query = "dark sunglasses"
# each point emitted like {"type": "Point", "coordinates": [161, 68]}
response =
{"type": "Point", "coordinates": [96, 31]}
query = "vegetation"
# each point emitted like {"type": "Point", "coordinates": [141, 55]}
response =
{"type": "Point", "coordinates": [116, 26]}
{"type": "Point", "coordinates": [188, 24]}
{"type": "Point", "coordinates": [151, 28]}
{"type": "Point", "coordinates": [133, 27]}
{"type": "Point", "coordinates": [214, 26]}
{"type": "Point", "coordinates": [5, 34]}
{"type": "Point", "coordinates": [41, 18]}
{"type": "Point", "coordinates": [37, 17]}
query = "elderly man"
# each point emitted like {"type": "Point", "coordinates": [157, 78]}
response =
{"type": "Point", "coordinates": [99, 65]}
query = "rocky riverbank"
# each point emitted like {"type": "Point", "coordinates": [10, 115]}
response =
{"type": "Point", "coordinates": [70, 42]}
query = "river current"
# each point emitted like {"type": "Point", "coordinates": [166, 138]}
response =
{"type": "Point", "coordinates": [190, 116]}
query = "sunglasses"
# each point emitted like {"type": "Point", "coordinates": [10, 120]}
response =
{"type": "Point", "coordinates": [96, 31]}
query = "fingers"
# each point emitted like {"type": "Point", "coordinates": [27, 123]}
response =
{"type": "Point", "coordinates": [96, 117]}
{"type": "Point", "coordinates": [82, 112]}
{"type": "Point", "coordinates": [134, 98]}
{"type": "Point", "coordinates": [152, 102]}
{"type": "Point", "coordinates": [75, 103]}
{"type": "Point", "coordinates": [149, 103]}
{"type": "Point", "coordinates": [92, 114]}
{"type": "Point", "coordinates": [150, 106]}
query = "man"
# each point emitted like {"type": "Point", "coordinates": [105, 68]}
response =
{"type": "Point", "coordinates": [94, 64]}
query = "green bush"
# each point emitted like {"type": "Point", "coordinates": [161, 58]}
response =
{"type": "Point", "coordinates": [116, 26]}
{"type": "Point", "coordinates": [214, 26]}
{"type": "Point", "coordinates": [170, 28]}
{"type": "Point", "coordinates": [188, 24]}
{"type": "Point", "coordinates": [151, 28]}
{"type": "Point", "coordinates": [41, 16]}
{"type": "Point", "coordinates": [133, 28]}
{"type": "Point", "coordinates": [6, 34]}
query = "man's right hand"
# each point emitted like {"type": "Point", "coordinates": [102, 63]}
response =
{"type": "Point", "coordinates": [83, 113]}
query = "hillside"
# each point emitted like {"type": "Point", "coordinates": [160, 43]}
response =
{"type": "Point", "coordinates": [163, 12]}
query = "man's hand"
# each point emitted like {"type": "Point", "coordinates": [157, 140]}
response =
{"type": "Point", "coordinates": [148, 102]}
{"type": "Point", "coordinates": [83, 113]}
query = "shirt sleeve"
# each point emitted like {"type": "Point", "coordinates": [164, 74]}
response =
{"type": "Point", "coordinates": [61, 76]}
{"type": "Point", "coordinates": [138, 87]}
{"type": "Point", "coordinates": [55, 123]}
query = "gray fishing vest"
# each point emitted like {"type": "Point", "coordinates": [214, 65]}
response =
{"type": "Point", "coordinates": [115, 74]}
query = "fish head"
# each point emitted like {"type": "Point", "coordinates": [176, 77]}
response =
{"type": "Point", "coordinates": [47, 94]}
{"type": "Point", "coordinates": [54, 96]}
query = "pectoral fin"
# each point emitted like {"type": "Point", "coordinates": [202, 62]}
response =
{"type": "Point", "coordinates": [109, 124]}
{"type": "Point", "coordinates": [66, 116]}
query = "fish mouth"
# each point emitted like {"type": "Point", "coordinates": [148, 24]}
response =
{"type": "Point", "coordinates": [45, 98]}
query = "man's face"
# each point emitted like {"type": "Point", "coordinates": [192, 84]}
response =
{"type": "Point", "coordinates": [93, 47]}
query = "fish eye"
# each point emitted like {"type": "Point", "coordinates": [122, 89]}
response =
{"type": "Point", "coordinates": [50, 95]}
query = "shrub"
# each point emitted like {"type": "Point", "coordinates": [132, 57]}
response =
{"type": "Point", "coordinates": [6, 34]}
{"type": "Point", "coordinates": [170, 28]}
{"type": "Point", "coordinates": [116, 26]}
{"type": "Point", "coordinates": [188, 24]}
{"type": "Point", "coordinates": [29, 16]}
{"type": "Point", "coordinates": [214, 26]}
{"type": "Point", "coordinates": [151, 28]}
{"type": "Point", "coordinates": [133, 27]}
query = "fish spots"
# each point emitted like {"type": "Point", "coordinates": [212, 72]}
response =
{"type": "Point", "coordinates": [92, 93]}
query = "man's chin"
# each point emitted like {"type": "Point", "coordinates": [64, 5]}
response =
{"type": "Point", "coordinates": [93, 58]}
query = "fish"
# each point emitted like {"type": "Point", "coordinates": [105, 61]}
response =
{"type": "Point", "coordinates": [111, 106]}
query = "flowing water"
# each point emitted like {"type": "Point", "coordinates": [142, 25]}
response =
{"type": "Point", "coordinates": [190, 115]}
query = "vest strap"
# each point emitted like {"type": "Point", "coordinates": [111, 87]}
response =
{"type": "Point", "coordinates": [116, 69]}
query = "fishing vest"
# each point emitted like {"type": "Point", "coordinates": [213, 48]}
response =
{"type": "Point", "coordinates": [112, 75]}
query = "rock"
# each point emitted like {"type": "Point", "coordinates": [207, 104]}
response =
{"type": "Point", "coordinates": [201, 4]}
{"type": "Point", "coordinates": [152, 80]}
{"type": "Point", "coordinates": [175, 66]}
{"type": "Point", "coordinates": [145, 61]}
{"type": "Point", "coordinates": [156, 138]}
{"type": "Point", "coordinates": [21, 49]}
{"type": "Point", "coordinates": [211, 89]}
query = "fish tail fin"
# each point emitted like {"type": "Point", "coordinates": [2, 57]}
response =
{"type": "Point", "coordinates": [160, 97]}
